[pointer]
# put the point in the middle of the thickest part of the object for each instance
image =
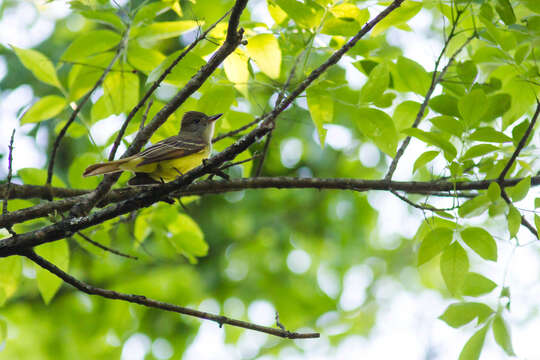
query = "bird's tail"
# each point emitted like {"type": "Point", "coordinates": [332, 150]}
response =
{"type": "Point", "coordinates": [106, 168]}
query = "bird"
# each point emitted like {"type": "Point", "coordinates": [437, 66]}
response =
{"type": "Point", "coordinates": [169, 158]}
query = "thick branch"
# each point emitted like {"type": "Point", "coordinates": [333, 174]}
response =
{"type": "Point", "coordinates": [144, 301]}
{"type": "Point", "coordinates": [134, 199]}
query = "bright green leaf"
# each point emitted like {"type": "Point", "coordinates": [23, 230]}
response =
{"type": "Point", "coordinates": [45, 108]}
{"type": "Point", "coordinates": [473, 347]}
{"type": "Point", "coordinates": [476, 285]}
{"type": "Point", "coordinates": [505, 11]}
{"type": "Point", "coordinates": [424, 159]}
{"type": "Point", "coordinates": [306, 14]}
{"type": "Point", "coordinates": [31, 176]}
{"type": "Point", "coordinates": [56, 252]}
{"type": "Point", "coordinates": [236, 69]}
{"type": "Point", "coordinates": [413, 75]}
{"type": "Point", "coordinates": [479, 150]}
{"type": "Point", "coordinates": [405, 114]}
{"type": "Point", "coordinates": [3, 332]}
{"type": "Point", "coordinates": [454, 267]}
{"type": "Point", "coordinates": [469, 109]}
{"type": "Point", "coordinates": [521, 189]}
{"type": "Point", "coordinates": [502, 335]}
{"type": "Point", "coordinates": [489, 134]}
{"type": "Point", "coordinates": [448, 124]}
{"type": "Point", "coordinates": [165, 30]}
{"type": "Point", "coordinates": [321, 108]}
{"type": "Point", "coordinates": [90, 43]}
{"type": "Point", "coordinates": [434, 243]}
{"type": "Point", "coordinates": [494, 191]}
{"type": "Point", "coordinates": [39, 65]}
{"type": "Point", "coordinates": [376, 84]}
{"type": "Point", "coordinates": [400, 16]}
{"type": "Point", "coordinates": [143, 59]}
{"type": "Point", "coordinates": [434, 139]}
{"type": "Point", "coordinates": [379, 127]}
{"type": "Point", "coordinates": [481, 242]}
{"type": "Point", "coordinates": [264, 50]}
{"type": "Point", "coordinates": [10, 275]}
{"type": "Point", "coordinates": [445, 104]}
{"type": "Point", "coordinates": [474, 207]}
{"type": "Point", "coordinates": [459, 314]}
{"type": "Point", "coordinates": [187, 238]}
{"type": "Point", "coordinates": [514, 220]}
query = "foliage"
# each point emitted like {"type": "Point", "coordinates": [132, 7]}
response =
{"type": "Point", "coordinates": [471, 114]}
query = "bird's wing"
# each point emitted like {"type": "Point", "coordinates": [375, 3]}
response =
{"type": "Point", "coordinates": [171, 148]}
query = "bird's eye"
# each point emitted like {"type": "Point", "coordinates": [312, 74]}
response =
{"type": "Point", "coordinates": [196, 121]}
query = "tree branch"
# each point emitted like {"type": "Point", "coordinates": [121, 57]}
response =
{"type": "Point", "coordinates": [521, 143]}
{"type": "Point", "coordinates": [144, 301]}
{"type": "Point", "coordinates": [105, 248]}
{"type": "Point", "coordinates": [8, 185]}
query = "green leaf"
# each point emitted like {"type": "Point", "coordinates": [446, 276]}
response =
{"type": "Point", "coordinates": [469, 109]}
{"type": "Point", "coordinates": [148, 12]}
{"type": "Point", "coordinates": [376, 84]}
{"type": "Point", "coordinates": [321, 108]}
{"type": "Point", "coordinates": [467, 71]}
{"type": "Point", "coordinates": [514, 220]}
{"type": "Point", "coordinates": [10, 276]}
{"type": "Point", "coordinates": [481, 242]}
{"type": "Point", "coordinates": [445, 104]}
{"type": "Point", "coordinates": [505, 11]}
{"type": "Point", "coordinates": [448, 124]}
{"type": "Point", "coordinates": [532, 5]}
{"type": "Point", "coordinates": [459, 314]}
{"type": "Point", "coordinates": [497, 105]}
{"type": "Point", "coordinates": [39, 65]}
{"type": "Point", "coordinates": [120, 95]}
{"type": "Point", "coordinates": [501, 333]}
{"type": "Point", "coordinates": [413, 75]}
{"type": "Point", "coordinates": [479, 150]}
{"type": "Point", "coordinates": [476, 285]}
{"type": "Point", "coordinates": [108, 17]}
{"type": "Point", "coordinates": [344, 20]}
{"type": "Point", "coordinates": [398, 17]}
{"type": "Point", "coordinates": [454, 267]}
{"type": "Point", "coordinates": [307, 14]}
{"type": "Point", "coordinates": [164, 30]}
{"type": "Point", "coordinates": [56, 252]}
{"type": "Point", "coordinates": [143, 59]}
{"type": "Point", "coordinates": [45, 108]}
{"type": "Point", "coordinates": [522, 53]}
{"type": "Point", "coordinates": [434, 139]}
{"type": "Point", "coordinates": [519, 131]}
{"type": "Point", "coordinates": [276, 12]}
{"type": "Point", "coordinates": [489, 134]}
{"type": "Point", "coordinates": [494, 191]}
{"type": "Point", "coordinates": [519, 192]}
{"type": "Point", "coordinates": [434, 243]}
{"type": "Point", "coordinates": [187, 238]}
{"type": "Point", "coordinates": [405, 114]}
{"type": "Point", "coordinates": [473, 347]}
{"type": "Point", "coordinates": [424, 159]}
{"type": "Point", "coordinates": [90, 43]}
{"type": "Point", "coordinates": [537, 222]}
{"type": "Point", "coordinates": [379, 127]}
{"type": "Point", "coordinates": [264, 50]}
{"type": "Point", "coordinates": [31, 176]}
{"type": "Point", "coordinates": [474, 207]}
{"type": "Point", "coordinates": [236, 69]}
{"type": "Point", "coordinates": [3, 332]}
{"type": "Point", "coordinates": [185, 69]}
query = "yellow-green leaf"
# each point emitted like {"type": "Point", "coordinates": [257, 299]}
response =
{"type": "Point", "coordinates": [481, 242]}
{"type": "Point", "coordinates": [434, 243]}
{"type": "Point", "coordinates": [454, 267]}
{"type": "Point", "coordinates": [476, 284]}
{"type": "Point", "coordinates": [321, 108]}
{"type": "Point", "coordinates": [473, 347]}
{"type": "Point", "coordinates": [187, 238]}
{"type": "Point", "coordinates": [521, 189]}
{"type": "Point", "coordinates": [514, 220]}
{"type": "Point", "coordinates": [376, 84]}
{"type": "Point", "coordinates": [39, 65]}
{"type": "Point", "coordinates": [502, 336]}
{"type": "Point", "coordinates": [10, 274]}
{"type": "Point", "coordinates": [264, 50]}
{"type": "Point", "coordinates": [398, 17]}
{"type": "Point", "coordinates": [459, 314]}
{"type": "Point", "coordinates": [45, 108]}
{"type": "Point", "coordinates": [469, 109]}
{"type": "Point", "coordinates": [379, 127]}
{"type": "Point", "coordinates": [165, 30]}
{"type": "Point", "coordinates": [56, 252]}
{"type": "Point", "coordinates": [236, 69]}
{"type": "Point", "coordinates": [90, 43]}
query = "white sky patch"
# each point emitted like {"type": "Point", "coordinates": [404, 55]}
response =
{"type": "Point", "coordinates": [355, 282]}
{"type": "Point", "coordinates": [136, 347]}
{"type": "Point", "coordinates": [298, 261]}
{"type": "Point", "coordinates": [262, 312]}
{"type": "Point", "coordinates": [291, 152]}
{"type": "Point", "coordinates": [102, 130]}
{"type": "Point", "coordinates": [328, 280]}
{"type": "Point", "coordinates": [234, 307]}
{"type": "Point", "coordinates": [369, 155]}
{"type": "Point", "coordinates": [259, 12]}
{"type": "Point", "coordinates": [209, 305]}
{"type": "Point", "coordinates": [338, 137]}
{"type": "Point", "coordinates": [162, 349]}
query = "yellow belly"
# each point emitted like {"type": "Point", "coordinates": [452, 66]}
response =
{"type": "Point", "coordinates": [167, 170]}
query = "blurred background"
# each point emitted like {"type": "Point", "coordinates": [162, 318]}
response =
{"type": "Point", "coordinates": [337, 262]}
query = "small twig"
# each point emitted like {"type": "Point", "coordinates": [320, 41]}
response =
{"type": "Point", "coordinates": [237, 131]}
{"type": "Point", "coordinates": [156, 84]}
{"type": "Point", "coordinates": [10, 173]}
{"type": "Point", "coordinates": [256, 155]}
{"type": "Point", "coordinates": [417, 206]}
{"type": "Point", "coordinates": [434, 81]}
{"type": "Point", "coordinates": [278, 324]}
{"type": "Point", "coordinates": [258, 172]}
{"type": "Point", "coordinates": [121, 46]}
{"type": "Point", "coordinates": [145, 115]}
{"type": "Point", "coordinates": [144, 301]}
{"type": "Point", "coordinates": [103, 247]}
{"type": "Point", "coordinates": [521, 143]}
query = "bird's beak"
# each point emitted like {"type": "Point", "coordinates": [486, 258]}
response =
{"type": "Point", "coordinates": [214, 117]}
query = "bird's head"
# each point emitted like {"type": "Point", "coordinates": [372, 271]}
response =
{"type": "Point", "coordinates": [198, 123]}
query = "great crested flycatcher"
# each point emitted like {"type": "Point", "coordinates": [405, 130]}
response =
{"type": "Point", "coordinates": [169, 158]}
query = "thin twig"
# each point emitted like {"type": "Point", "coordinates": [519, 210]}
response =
{"type": "Point", "coordinates": [224, 167]}
{"type": "Point", "coordinates": [121, 47]}
{"type": "Point", "coordinates": [258, 172]}
{"type": "Point", "coordinates": [521, 143]}
{"type": "Point", "coordinates": [10, 173]}
{"type": "Point", "coordinates": [418, 206]}
{"type": "Point", "coordinates": [434, 81]}
{"type": "Point", "coordinates": [145, 115]}
{"type": "Point", "coordinates": [103, 247]}
{"type": "Point", "coordinates": [144, 301]}
{"type": "Point", "coordinates": [237, 131]}
{"type": "Point", "coordinates": [156, 84]}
